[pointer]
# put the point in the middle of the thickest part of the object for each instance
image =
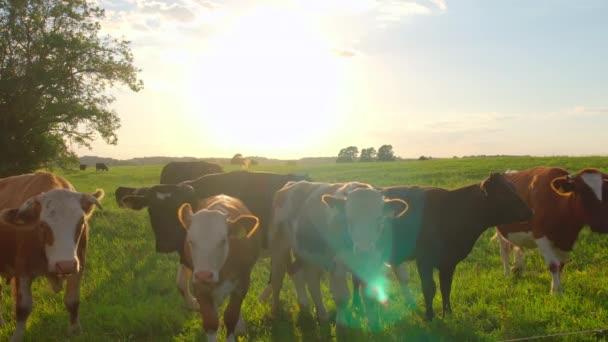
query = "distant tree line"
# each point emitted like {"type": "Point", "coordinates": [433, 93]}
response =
{"type": "Point", "coordinates": [350, 154]}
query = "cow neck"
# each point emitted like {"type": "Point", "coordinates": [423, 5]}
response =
{"type": "Point", "coordinates": [470, 205]}
{"type": "Point", "coordinates": [570, 225]}
{"type": "Point", "coordinates": [26, 252]}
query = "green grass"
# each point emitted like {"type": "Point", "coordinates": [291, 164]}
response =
{"type": "Point", "coordinates": [129, 291]}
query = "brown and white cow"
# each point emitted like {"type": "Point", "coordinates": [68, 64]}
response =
{"type": "Point", "coordinates": [43, 232]}
{"type": "Point", "coordinates": [221, 248]}
{"type": "Point", "coordinates": [329, 227]}
{"type": "Point", "coordinates": [563, 204]}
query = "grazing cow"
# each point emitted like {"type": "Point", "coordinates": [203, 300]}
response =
{"type": "Point", "coordinates": [563, 204]}
{"type": "Point", "coordinates": [332, 227]}
{"type": "Point", "coordinates": [177, 172]}
{"type": "Point", "coordinates": [101, 167]}
{"type": "Point", "coordinates": [442, 227]}
{"type": "Point", "coordinates": [221, 248]}
{"type": "Point", "coordinates": [43, 232]}
{"type": "Point", "coordinates": [255, 189]}
{"type": "Point", "coordinates": [83, 167]}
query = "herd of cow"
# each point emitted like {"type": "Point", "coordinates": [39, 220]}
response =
{"type": "Point", "coordinates": [221, 223]}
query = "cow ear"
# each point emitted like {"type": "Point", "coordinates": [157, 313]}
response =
{"type": "Point", "coordinates": [135, 202]}
{"type": "Point", "coordinates": [563, 185]}
{"type": "Point", "coordinates": [243, 226]}
{"type": "Point", "coordinates": [333, 202]}
{"type": "Point", "coordinates": [88, 202]}
{"type": "Point", "coordinates": [184, 214]}
{"type": "Point", "coordinates": [13, 218]}
{"type": "Point", "coordinates": [395, 207]}
{"type": "Point", "coordinates": [29, 211]}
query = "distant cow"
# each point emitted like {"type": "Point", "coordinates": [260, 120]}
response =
{"type": "Point", "coordinates": [177, 172]}
{"type": "Point", "coordinates": [83, 167]}
{"type": "Point", "coordinates": [563, 204]}
{"type": "Point", "coordinates": [43, 232]}
{"type": "Point", "coordinates": [441, 228]}
{"type": "Point", "coordinates": [221, 247]}
{"type": "Point", "coordinates": [331, 227]}
{"type": "Point", "coordinates": [101, 167]}
{"type": "Point", "coordinates": [255, 189]}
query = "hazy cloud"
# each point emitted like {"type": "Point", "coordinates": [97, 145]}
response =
{"type": "Point", "coordinates": [344, 52]}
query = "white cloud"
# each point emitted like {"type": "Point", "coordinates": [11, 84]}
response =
{"type": "Point", "coordinates": [441, 4]}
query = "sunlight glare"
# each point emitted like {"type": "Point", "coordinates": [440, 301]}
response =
{"type": "Point", "coordinates": [270, 82]}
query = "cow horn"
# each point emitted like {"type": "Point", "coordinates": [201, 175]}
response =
{"type": "Point", "coordinates": [94, 200]}
{"type": "Point", "coordinates": [571, 176]}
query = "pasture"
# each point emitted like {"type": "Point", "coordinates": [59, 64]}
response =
{"type": "Point", "coordinates": [129, 291]}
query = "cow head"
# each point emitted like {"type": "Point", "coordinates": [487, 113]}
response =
{"type": "Point", "coordinates": [208, 235]}
{"type": "Point", "coordinates": [60, 217]}
{"type": "Point", "coordinates": [589, 188]}
{"type": "Point", "coordinates": [505, 204]}
{"type": "Point", "coordinates": [162, 202]}
{"type": "Point", "coordinates": [365, 211]}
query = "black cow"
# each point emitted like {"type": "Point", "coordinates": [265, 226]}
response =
{"type": "Point", "coordinates": [83, 167]}
{"type": "Point", "coordinates": [101, 167]}
{"type": "Point", "coordinates": [441, 228]}
{"type": "Point", "coordinates": [255, 189]}
{"type": "Point", "coordinates": [177, 172]}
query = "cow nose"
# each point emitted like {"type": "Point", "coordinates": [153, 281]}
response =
{"type": "Point", "coordinates": [204, 276]}
{"type": "Point", "coordinates": [66, 267]}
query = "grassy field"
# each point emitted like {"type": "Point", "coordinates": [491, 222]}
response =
{"type": "Point", "coordinates": [129, 291]}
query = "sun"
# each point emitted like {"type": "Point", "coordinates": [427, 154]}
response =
{"type": "Point", "coordinates": [268, 84]}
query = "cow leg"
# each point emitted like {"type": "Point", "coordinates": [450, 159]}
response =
{"type": "Point", "coordinates": [71, 300]}
{"type": "Point", "coordinates": [339, 289]}
{"type": "Point", "coordinates": [552, 261]}
{"type": "Point", "coordinates": [299, 282]}
{"type": "Point", "coordinates": [518, 266]}
{"type": "Point", "coordinates": [446, 275]}
{"type": "Point", "coordinates": [428, 287]}
{"type": "Point", "coordinates": [505, 253]}
{"type": "Point", "coordinates": [404, 278]}
{"type": "Point", "coordinates": [1, 319]}
{"type": "Point", "coordinates": [280, 257]}
{"type": "Point", "coordinates": [22, 297]}
{"type": "Point", "coordinates": [209, 315]}
{"type": "Point", "coordinates": [313, 280]}
{"type": "Point", "coordinates": [184, 277]}
{"type": "Point", "coordinates": [232, 315]}
{"type": "Point", "coordinates": [356, 290]}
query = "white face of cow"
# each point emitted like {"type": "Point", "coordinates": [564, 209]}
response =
{"type": "Point", "coordinates": [366, 211]}
{"type": "Point", "coordinates": [62, 216]}
{"type": "Point", "coordinates": [208, 235]}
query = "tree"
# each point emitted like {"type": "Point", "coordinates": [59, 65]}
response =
{"type": "Point", "coordinates": [385, 153]}
{"type": "Point", "coordinates": [55, 70]}
{"type": "Point", "coordinates": [237, 159]}
{"type": "Point", "coordinates": [348, 155]}
{"type": "Point", "coordinates": [368, 154]}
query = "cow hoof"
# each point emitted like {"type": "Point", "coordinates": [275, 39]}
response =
{"type": "Point", "coordinates": [17, 337]}
{"type": "Point", "coordinates": [240, 327]}
{"type": "Point", "coordinates": [74, 329]}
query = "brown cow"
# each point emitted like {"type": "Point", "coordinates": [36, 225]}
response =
{"type": "Point", "coordinates": [563, 204]}
{"type": "Point", "coordinates": [43, 232]}
{"type": "Point", "coordinates": [220, 248]}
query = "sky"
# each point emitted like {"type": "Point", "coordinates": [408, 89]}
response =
{"type": "Point", "coordinates": [301, 78]}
